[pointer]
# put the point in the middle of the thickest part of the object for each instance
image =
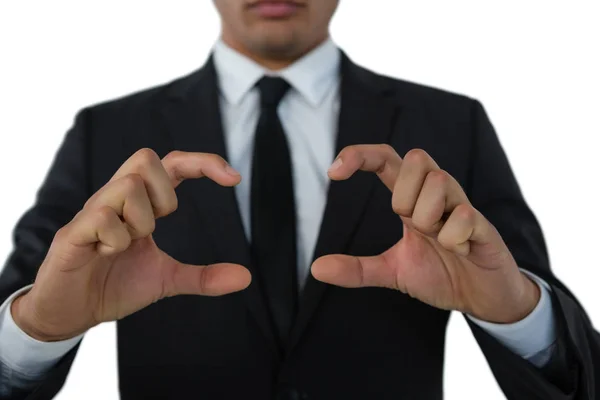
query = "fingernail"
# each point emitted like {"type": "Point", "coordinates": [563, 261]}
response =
{"type": "Point", "coordinates": [336, 164]}
{"type": "Point", "coordinates": [229, 169]}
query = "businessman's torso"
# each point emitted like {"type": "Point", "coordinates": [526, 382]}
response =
{"type": "Point", "coordinates": [346, 343]}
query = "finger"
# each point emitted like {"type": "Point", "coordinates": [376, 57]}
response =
{"type": "Point", "coordinates": [102, 226]}
{"type": "Point", "coordinates": [148, 166]}
{"type": "Point", "coordinates": [354, 272]}
{"type": "Point", "coordinates": [410, 179]}
{"type": "Point", "coordinates": [162, 177]}
{"type": "Point", "coordinates": [128, 197]}
{"type": "Point", "coordinates": [211, 280]}
{"type": "Point", "coordinates": [439, 195]}
{"type": "Point", "coordinates": [181, 165]}
{"type": "Point", "coordinates": [379, 158]}
{"type": "Point", "coordinates": [464, 226]}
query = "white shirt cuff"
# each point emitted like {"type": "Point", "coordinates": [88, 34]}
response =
{"type": "Point", "coordinates": [24, 354]}
{"type": "Point", "coordinates": [533, 337]}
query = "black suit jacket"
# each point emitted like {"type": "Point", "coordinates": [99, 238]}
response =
{"type": "Point", "coordinates": [347, 343]}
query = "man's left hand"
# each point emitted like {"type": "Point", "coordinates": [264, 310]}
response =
{"type": "Point", "coordinates": [450, 256]}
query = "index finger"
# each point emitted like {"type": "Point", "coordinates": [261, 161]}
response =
{"type": "Point", "coordinates": [181, 165]}
{"type": "Point", "coordinates": [161, 177]}
{"type": "Point", "coordinates": [379, 158]}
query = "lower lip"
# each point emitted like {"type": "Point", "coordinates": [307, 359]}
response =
{"type": "Point", "coordinates": [275, 10]}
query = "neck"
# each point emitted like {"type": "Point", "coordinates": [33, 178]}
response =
{"type": "Point", "coordinates": [274, 62]}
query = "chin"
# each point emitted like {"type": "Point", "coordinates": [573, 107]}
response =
{"type": "Point", "coordinates": [278, 46]}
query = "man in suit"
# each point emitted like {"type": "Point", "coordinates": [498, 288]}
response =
{"type": "Point", "coordinates": [214, 288]}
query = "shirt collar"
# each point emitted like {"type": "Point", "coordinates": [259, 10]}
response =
{"type": "Point", "coordinates": [312, 76]}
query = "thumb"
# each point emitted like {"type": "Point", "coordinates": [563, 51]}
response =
{"type": "Point", "coordinates": [207, 280]}
{"type": "Point", "coordinates": [353, 272]}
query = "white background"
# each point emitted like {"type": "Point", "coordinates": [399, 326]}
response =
{"type": "Point", "coordinates": [534, 65]}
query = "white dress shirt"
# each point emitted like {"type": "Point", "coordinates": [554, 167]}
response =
{"type": "Point", "coordinates": [309, 114]}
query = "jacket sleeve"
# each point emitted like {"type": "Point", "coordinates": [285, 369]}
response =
{"type": "Point", "coordinates": [63, 193]}
{"type": "Point", "coordinates": [572, 372]}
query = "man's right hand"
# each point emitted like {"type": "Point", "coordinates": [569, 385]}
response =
{"type": "Point", "coordinates": [104, 264]}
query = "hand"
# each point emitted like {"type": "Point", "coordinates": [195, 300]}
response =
{"type": "Point", "coordinates": [104, 264]}
{"type": "Point", "coordinates": [450, 256]}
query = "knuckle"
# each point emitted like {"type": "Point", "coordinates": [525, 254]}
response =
{"type": "Point", "coordinates": [211, 160]}
{"type": "Point", "coordinates": [91, 200]}
{"type": "Point", "coordinates": [95, 198]}
{"type": "Point", "coordinates": [387, 149]}
{"type": "Point", "coordinates": [438, 177]}
{"type": "Point", "coordinates": [215, 158]}
{"type": "Point", "coordinates": [132, 182]}
{"type": "Point", "coordinates": [350, 152]}
{"type": "Point", "coordinates": [105, 216]}
{"type": "Point", "coordinates": [145, 157]}
{"type": "Point", "coordinates": [175, 154]}
{"type": "Point", "coordinates": [62, 233]}
{"type": "Point", "coordinates": [465, 211]}
{"type": "Point", "coordinates": [417, 156]}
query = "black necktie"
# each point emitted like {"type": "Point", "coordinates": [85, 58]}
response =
{"type": "Point", "coordinates": [273, 215]}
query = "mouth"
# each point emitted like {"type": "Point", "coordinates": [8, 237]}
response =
{"type": "Point", "coordinates": [275, 9]}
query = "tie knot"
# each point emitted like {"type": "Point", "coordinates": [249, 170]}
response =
{"type": "Point", "coordinates": [272, 90]}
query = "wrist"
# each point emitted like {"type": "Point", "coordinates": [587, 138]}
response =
{"type": "Point", "coordinates": [516, 305]}
{"type": "Point", "coordinates": [529, 299]}
{"type": "Point", "coordinates": [25, 317]}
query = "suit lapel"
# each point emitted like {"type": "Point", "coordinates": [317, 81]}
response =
{"type": "Point", "coordinates": [193, 120]}
{"type": "Point", "coordinates": [367, 116]}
